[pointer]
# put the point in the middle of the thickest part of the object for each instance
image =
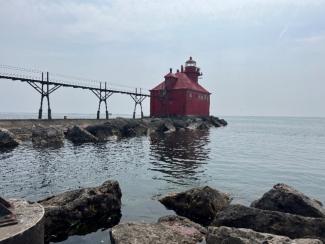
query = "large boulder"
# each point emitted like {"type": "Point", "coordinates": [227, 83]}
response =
{"type": "Point", "coordinates": [286, 199]}
{"type": "Point", "coordinates": [82, 211]}
{"type": "Point", "coordinates": [8, 139]}
{"type": "Point", "coordinates": [134, 128]}
{"type": "Point", "coordinates": [47, 136]}
{"type": "Point", "coordinates": [216, 121]}
{"type": "Point", "coordinates": [168, 230]}
{"type": "Point", "coordinates": [104, 131]}
{"type": "Point", "coordinates": [167, 126]}
{"type": "Point", "coordinates": [223, 235]}
{"type": "Point", "coordinates": [293, 226]}
{"type": "Point", "coordinates": [118, 127]}
{"type": "Point", "coordinates": [180, 123]}
{"type": "Point", "coordinates": [194, 126]}
{"type": "Point", "coordinates": [112, 127]}
{"type": "Point", "coordinates": [77, 134]}
{"type": "Point", "coordinates": [198, 204]}
{"type": "Point", "coordinates": [184, 226]}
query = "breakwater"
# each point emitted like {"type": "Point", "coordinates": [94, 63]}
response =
{"type": "Point", "coordinates": [22, 128]}
{"type": "Point", "coordinates": [78, 130]}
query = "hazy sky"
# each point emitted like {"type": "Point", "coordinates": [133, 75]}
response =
{"type": "Point", "coordinates": [258, 57]}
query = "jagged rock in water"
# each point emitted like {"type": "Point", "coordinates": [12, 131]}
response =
{"type": "Point", "coordinates": [293, 226]}
{"type": "Point", "coordinates": [223, 234]}
{"type": "Point", "coordinates": [8, 139]}
{"type": "Point", "coordinates": [118, 127]}
{"type": "Point", "coordinates": [169, 127]}
{"type": "Point", "coordinates": [82, 211]}
{"type": "Point", "coordinates": [217, 122]}
{"type": "Point", "coordinates": [122, 127]}
{"type": "Point", "coordinates": [47, 136]}
{"type": "Point", "coordinates": [204, 125]}
{"type": "Point", "coordinates": [77, 134]}
{"type": "Point", "coordinates": [198, 204]}
{"type": "Point", "coordinates": [101, 131]}
{"type": "Point", "coordinates": [168, 230]}
{"type": "Point", "coordinates": [286, 199]}
{"type": "Point", "coordinates": [194, 125]}
{"type": "Point", "coordinates": [134, 128]}
{"type": "Point", "coordinates": [180, 123]}
{"type": "Point", "coordinates": [154, 124]}
{"type": "Point", "coordinates": [108, 129]}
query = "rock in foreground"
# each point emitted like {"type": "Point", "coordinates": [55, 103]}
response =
{"type": "Point", "coordinates": [77, 134]}
{"type": "Point", "coordinates": [82, 211]}
{"type": "Point", "coordinates": [47, 136]}
{"type": "Point", "coordinates": [293, 226]}
{"type": "Point", "coordinates": [198, 204]}
{"type": "Point", "coordinates": [168, 230]}
{"type": "Point", "coordinates": [7, 139]}
{"type": "Point", "coordinates": [222, 235]}
{"type": "Point", "coordinates": [286, 199]}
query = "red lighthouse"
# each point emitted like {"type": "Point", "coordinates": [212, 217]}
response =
{"type": "Point", "coordinates": [180, 94]}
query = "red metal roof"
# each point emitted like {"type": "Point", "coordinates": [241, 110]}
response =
{"type": "Point", "coordinates": [170, 75]}
{"type": "Point", "coordinates": [183, 82]}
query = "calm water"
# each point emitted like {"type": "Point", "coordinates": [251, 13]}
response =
{"type": "Point", "coordinates": [245, 159]}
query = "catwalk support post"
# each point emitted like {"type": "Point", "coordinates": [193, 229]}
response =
{"type": "Point", "coordinates": [138, 99]}
{"type": "Point", "coordinates": [102, 94]}
{"type": "Point", "coordinates": [45, 93]}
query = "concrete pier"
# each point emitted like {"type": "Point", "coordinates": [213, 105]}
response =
{"type": "Point", "coordinates": [30, 226]}
{"type": "Point", "coordinates": [22, 128]}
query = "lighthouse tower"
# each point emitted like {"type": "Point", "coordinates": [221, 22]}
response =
{"type": "Point", "coordinates": [191, 70]}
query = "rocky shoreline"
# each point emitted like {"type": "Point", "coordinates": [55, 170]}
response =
{"type": "Point", "coordinates": [45, 134]}
{"type": "Point", "coordinates": [204, 215]}
{"type": "Point", "coordinates": [282, 215]}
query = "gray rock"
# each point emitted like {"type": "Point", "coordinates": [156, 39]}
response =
{"type": "Point", "coordinates": [167, 127]}
{"type": "Point", "coordinates": [198, 204]}
{"type": "Point", "coordinates": [180, 123]}
{"type": "Point", "coordinates": [204, 125]}
{"type": "Point", "coordinates": [7, 139]}
{"type": "Point", "coordinates": [184, 226]}
{"type": "Point", "coordinates": [82, 211]}
{"type": "Point", "coordinates": [77, 134]}
{"type": "Point", "coordinates": [134, 128]}
{"type": "Point", "coordinates": [168, 230]}
{"type": "Point", "coordinates": [108, 129]}
{"type": "Point", "coordinates": [47, 136]}
{"type": "Point", "coordinates": [154, 124]}
{"type": "Point", "coordinates": [118, 127]}
{"type": "Point", "coordinates": [122, 127]}
{"type": "Point", "coordinates": [286, 199]}
{"type": "Point", "coordinates": [293, 226]}
{"type": "Point", "coordinates": [217, 122]}
{"type": "Point", "coordinates": [223, 235]}
{"type": "Point", "coordinates": [194, 125]}
{"type": "Point", "coordinates": [101, 131]}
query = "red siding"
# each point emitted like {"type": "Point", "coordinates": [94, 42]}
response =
{"type": "Point", "coordinates": [179, 103]}
{"type": "Point", "coordinates": [197, 103]}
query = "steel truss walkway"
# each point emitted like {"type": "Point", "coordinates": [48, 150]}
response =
{"type": "Point", "coordinates": [46, 86]}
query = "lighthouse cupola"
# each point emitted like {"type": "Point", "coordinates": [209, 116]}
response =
{"type": "Point", "coordinates": [191, 70]}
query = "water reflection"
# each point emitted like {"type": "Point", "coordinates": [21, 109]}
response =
{"type": "Point", "coordinates": [179, 156]}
